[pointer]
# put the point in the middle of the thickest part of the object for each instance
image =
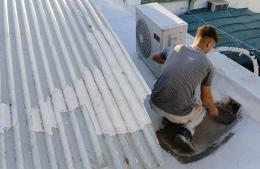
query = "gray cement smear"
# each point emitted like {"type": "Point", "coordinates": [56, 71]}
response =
{"type": "Point", "coordinates": [209, 135]}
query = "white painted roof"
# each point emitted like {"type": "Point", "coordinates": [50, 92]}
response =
{"type": "Point", "coordinates": [242, 150]}
{"type": "Point", "coordinates": [71, 96]}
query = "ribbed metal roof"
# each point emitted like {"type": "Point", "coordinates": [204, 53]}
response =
{"type": "Point", "coordinates": [70, 95]}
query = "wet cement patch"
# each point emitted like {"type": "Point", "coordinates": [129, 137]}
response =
{"type": "Point", "coordinates": [209, 135]}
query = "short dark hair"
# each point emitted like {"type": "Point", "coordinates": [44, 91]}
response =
{"type": "Point", "coordinates": [207, 31]}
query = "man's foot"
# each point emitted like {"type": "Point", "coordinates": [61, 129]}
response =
{"type": "Point", "coordinates": [183, 140]}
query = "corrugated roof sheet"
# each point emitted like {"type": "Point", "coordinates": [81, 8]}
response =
{"type": "Point", "coordinates": [237, 28]}
{"type": "Point", "coordinates": [70, 94]}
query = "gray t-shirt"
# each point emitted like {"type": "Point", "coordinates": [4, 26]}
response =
{"type": "Point", "coordinates": [185, 68]}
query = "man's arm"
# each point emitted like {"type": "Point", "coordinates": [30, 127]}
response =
{"type": "Point", "coordinates": [208, 101]}
{"type": "Point", "coordinates": [158, 58]}
{"type": "Point", "coordinates": [161, 56]}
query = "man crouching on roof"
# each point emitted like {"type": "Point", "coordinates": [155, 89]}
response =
{"type": "Point", "coordinates": [185, 68]}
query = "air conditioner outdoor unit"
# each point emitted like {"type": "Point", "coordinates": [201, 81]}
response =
{"type": "Point", "coordinates": [217, 5]}
{"type": "Point", "coordinates": [157, 28]}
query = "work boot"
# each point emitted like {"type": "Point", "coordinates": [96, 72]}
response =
{"type": "Point", "coordinates": [183, 139]}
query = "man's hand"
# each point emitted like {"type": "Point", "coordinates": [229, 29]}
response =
{"type": "Point", "coordinates": [208, 101]}
{"type": "Point", "coordinates": [157, 58]}
{"type": "Point", "coordinates": [213, 112]}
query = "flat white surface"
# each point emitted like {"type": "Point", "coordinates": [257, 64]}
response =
{"type": "Point", "coordinates": [242, 150]}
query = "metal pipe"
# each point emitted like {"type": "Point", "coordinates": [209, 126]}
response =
{"type": "Point", "coordinates": [247, 53]}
